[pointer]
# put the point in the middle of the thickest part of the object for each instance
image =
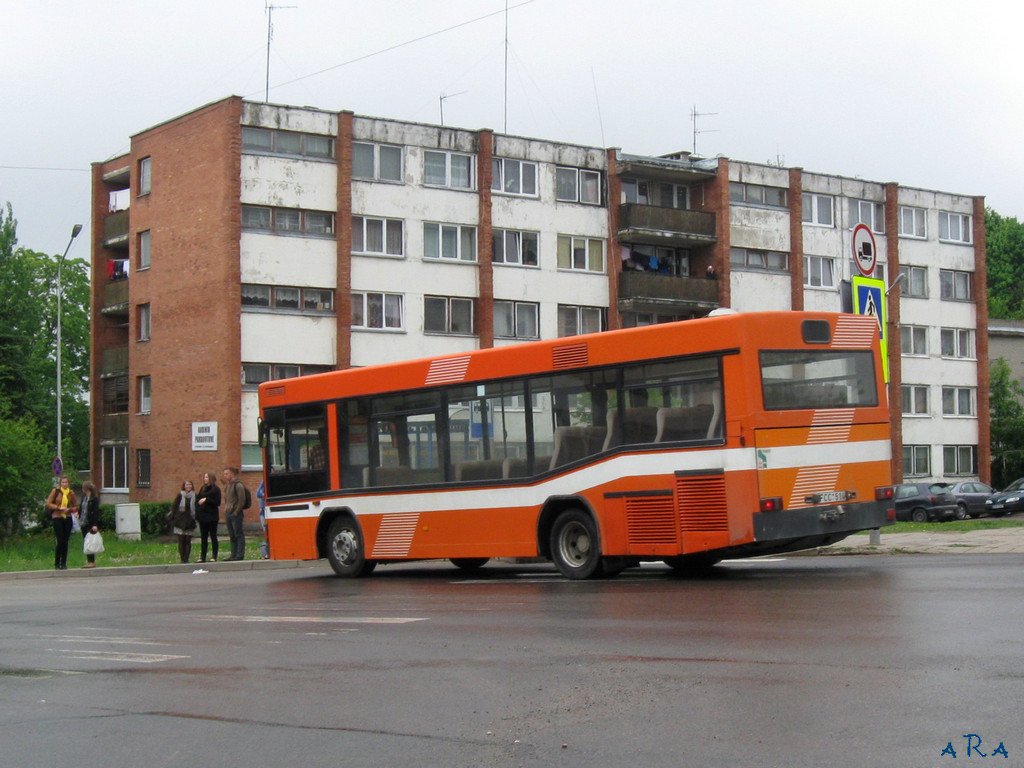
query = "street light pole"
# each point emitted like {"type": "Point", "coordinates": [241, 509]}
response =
{"type": "Point", "coordinates": [60, 264]}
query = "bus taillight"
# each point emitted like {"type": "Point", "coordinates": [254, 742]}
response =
{"type": "Point", "coordinates": [773, 504]}
{"type": "Point", "coordinates": [884, 493]}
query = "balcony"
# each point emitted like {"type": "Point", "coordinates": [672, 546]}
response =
{"type": "Point", "coordinates": [115, 426]}
{"type": "Point", "coordinates": [665, 226]}
{"type": "Point", "coordinates": [115, 298]}
{"type": "Point", "coordinates": [651, 292]}
{"type": "Point", "coordinates": [115, 230]}
{"type": "Point", "coordinates": [115, 361]}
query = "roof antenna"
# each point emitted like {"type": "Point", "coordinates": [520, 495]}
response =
{"type": "Point", "coordinates": [694, 114]}
{"type": "Point", "coordinates": [441, 100]}
{"type": "Point", "coordinates": [269, 9]}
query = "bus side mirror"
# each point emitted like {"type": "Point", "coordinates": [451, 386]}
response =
{"type": "Point", "coordinates": [262, 430]}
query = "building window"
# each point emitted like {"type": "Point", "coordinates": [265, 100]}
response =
{"type": "Point", "coordinates": [818, 209]}
{"type": "Point", "coordinates": [958, 401]}
{"type": "Point", "coordinates": [449, 241]}
{"type": "Point", "coordinates": [448, 169]}
{"type": "Point", "coordinates": [252, 457]}
{"type": "Point", "coordinates": [114, 460]}
{"type": "Point", "coordinates": [143, 318]}
{"type": "Point", "coordinates": [960, 459]}
{"type": "Point", "coordinates": [913, 340]}
{"type": "Point", "coordinates": [954, 227]}
{"type": "Point", "coordinates": [115, 395]}
{"type": "Point", "coordinates": [750, 258]}
{"type": "Point", "coordinates": [955, 285]}
{"type": "Point", "coordinates": [376, 162]}
{"type": "Point", "coordinates": [576, 185]}
{"type": "Point", "coordinates": [514, 177]}
{"type": "Point", "coordinates": [958, 342]}
{"type": "Point", "coordinates": [674, 262]}
{"type": "Point", "coordinates": [145, 394]}
{"type": "Point", "coordinates": [915, 285]}
{"type": "Point", "coordinates": [448, 315]}
{"type": "Point", "coordinates": [378, 237]}
{"type": "Point", "coordinates": [516, 320]}
{"type": "Point", "coordinates": [513, 247]}
{"type": "Point", "coordinates": [144, 249]}
{"type": "Point", "coordinates": [287, 220]}
{"type": "Point", "coordinates": [912, 222]}
{"type": "Point", "coordinates": [286, 142]}
{"type": "Point", "coordinates": [581, 253]}
{"type": "Point", "coordinates": [576, 320]}
{"type": "Point", "coordinates": [915, 399]}
{"type": "Point", "coordinates": [145, 175]}
{"type": "Point", "coordinates": [867, 212]}
{"type": "Point", "coordinates": [257, 373]}
{"type": "Point", "coordinates": [757, 194]}
{"type": "Point", "coordinates": [377, 310]}
{"type": "Point", "coordinates": [142, 468]}
{"type": "Point", "coordinates": [916, 460]}
{"type": "Point", "coordinates": [287, 297]}
{"type": "Point", "coordinates": [819, 272]}
{"type": "Point", "coordinates": [640, 319]}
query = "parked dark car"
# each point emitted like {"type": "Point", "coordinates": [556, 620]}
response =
{"type": "Point", "coordinates": [922, 502]}
{"type": "Point", "coordinates": [971, 496]}
{"type": "Point", "coordinates": [1008, 500]}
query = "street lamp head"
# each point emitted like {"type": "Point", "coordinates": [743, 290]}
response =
{"type": "Point", "coordinates": [75, 230]}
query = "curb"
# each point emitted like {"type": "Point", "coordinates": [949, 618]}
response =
{"type": "Point", "coordinates": [141, 570]}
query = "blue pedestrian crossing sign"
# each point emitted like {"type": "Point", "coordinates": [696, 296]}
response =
{"type": "Point", "coordinates": [869, 299]}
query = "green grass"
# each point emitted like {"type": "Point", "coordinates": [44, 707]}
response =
{"type": "Point", "coordinates": [35, 552]}
{"type": "Point", "coordinates": [980, 524]}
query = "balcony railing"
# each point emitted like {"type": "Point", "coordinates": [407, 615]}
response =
{"type": "Point", "coordinates": [115, 426]}
{"type": "Point", "coordinates": [650, 292]}
{"type": "Point", "coordinates": [115, 360]}
{"type": "Point", "coordinates": [115, 298]}
{"type": "Point", "coordinates": [668, 226]}
{"type": "Point", "coordinates": [115, 230]}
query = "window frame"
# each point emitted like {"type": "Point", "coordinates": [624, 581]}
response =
{"type": "Point", "coordinates": [869, 212]}
{"type": "Point", "coordinates": [953, 342]}
{"type": "Point", "coordinates": [913, 333]}
{"type": "Point", "coordinates": [272, 295]}
{"type": "Point", "coordinates": [145, 393]}
{"type": "Point", "coordinates": [959, 459]}
{"type": "Point", "coordinates": [910, 393]}
{"type": "Point", "coordinates": [364, 311]}
{"type": "Point", "coordinates": [743, 193]}
{"type": "Point", "coordinates": [276, 135]}
{"type": "Point", "coordinates": [143, 468]}
{"type": "Point", "coordinates": [577, 182]}
{"type": "Point", "coordinates": [918, 228]}
{"type": "Point", "coordinates": [811, 210]}
{"type": "Point", "coordinates": [517, 307]}
{"type": "Point", "coordinates": [145, 245]}
{"type": "Point", "coordinates": [768, 256]}
{"type": "Point", "coordinates": [520, 236]}
{"type": "Point", "coordinates": [810, 259]}
{"type": "Point", "coordinates": [449, 180]}
{"type": "Point", "coordinates": [567, 260]}
{"type": "Point", "coordinates": [279, 221]}
{"type": "Point", "coordinates": [500, 177]}
{"type": "Point", "coordinates": [916, 276]}
{"type": "Point", "coordinates": [145, 176]}
{"type": "Point", "coordinates": [376, 171]}
{"type": "Point", "coordinates": [920, 460]}
{"type": "Point", "coordinates": [960, 401]}
{"type": "Point", "coordinates": [964, 230]}
{"type": "Point", "coordinates": [465, 238]}
{"type": "Point", "coordinates": [956, 285]}
{"type": "Point", "coordinates": [449, 302]}
{"type": "Point", "coordinates": [579, 311]}
{"type": "Point", "coordinates": [144, 321]}
{"type": "Point", "coordinates": [360, 221]}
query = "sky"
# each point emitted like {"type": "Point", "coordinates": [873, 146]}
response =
{"type": "Point", "coordinates": [926, 94]}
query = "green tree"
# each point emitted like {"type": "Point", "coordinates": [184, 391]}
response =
{"type": "Point", "coordinates": [1006, 407]}
{"type": "Point", "coordinates": [1004, 247]}
{"type": "Point", "coordinates": [24, 480]}
{"type": "Point", "coordinates": [28, 337]}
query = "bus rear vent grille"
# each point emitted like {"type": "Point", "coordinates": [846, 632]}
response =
{"type": "Point", "coordinates": [275, 391]}
{"type": "Point", "coordinates": [651, 520]}
{"type": "Point", "coordinates": [701, 500]}
{"type": "Point", "coordinates": [570, 356]}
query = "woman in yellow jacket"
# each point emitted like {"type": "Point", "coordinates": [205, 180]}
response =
{"type": "Point", "coordinates": [62, 503]}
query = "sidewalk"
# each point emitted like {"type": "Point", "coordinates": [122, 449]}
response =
{"type": "Point", "coordinates": [993, 540]}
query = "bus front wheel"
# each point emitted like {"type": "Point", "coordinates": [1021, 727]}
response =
{"type": "Point", "coordinates": [345, 549]}
{"type": "Point", "coordinates": [575, 546]}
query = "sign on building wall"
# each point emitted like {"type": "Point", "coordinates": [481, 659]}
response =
{"type": "Point", "coordinates": [204, 435]}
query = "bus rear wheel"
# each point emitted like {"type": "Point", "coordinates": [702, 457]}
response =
{"type": "Point", "coordinates": [575, 546]}
{"type": "Point", "coordinates": [470, 563]}
{"type": "Point", "coordinates": [345, 549]}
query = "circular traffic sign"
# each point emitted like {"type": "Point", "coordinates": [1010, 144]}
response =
{"type": "Point", "coordinates": [58, 467]}
{"type": "Point", "coordinates": [864, 251]}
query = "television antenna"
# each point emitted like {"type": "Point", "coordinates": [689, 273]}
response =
{"type": "Point", "coordinates": [441, 100]}
{"type": "Point", "coordinates": [270, 8]}
{"type": "Point", "coordinates": [694, 114]}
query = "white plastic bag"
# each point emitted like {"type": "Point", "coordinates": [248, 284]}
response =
{"type": "Point", "coordinates": [93, 544]}
{"type": "Point", "coordinates": [75, 527]}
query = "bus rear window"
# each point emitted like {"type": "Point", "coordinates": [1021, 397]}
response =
{"type": "Point", "coordinates": [798, 379]}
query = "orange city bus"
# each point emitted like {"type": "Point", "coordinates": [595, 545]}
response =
{"type": "Point", "coordinates": [690, 442]}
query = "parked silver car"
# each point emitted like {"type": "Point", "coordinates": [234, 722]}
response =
{"type": "Point", "coordinates": [971, 496]}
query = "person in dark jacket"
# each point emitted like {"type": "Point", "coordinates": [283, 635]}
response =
{"type": "Point", "coordinates": [89, 517]}
{"type": "Point", "coordinates": [61, 504]}
{"type": "Point", "coordinates": [183, 519]}
{"type": "Point", "coordinates": [208, 515]}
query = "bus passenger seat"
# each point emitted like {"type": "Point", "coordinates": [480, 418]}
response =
{"type": "Point", "coordinates": [686, 423]}
{"type": "Point", "coordinates": [489, 469]}
{"type": "Point", "coordinates": [575, 443]}
{"type": "Point", "coordinates": [400, 475]}
{"type": "Point", "coordinates": [639, 426]}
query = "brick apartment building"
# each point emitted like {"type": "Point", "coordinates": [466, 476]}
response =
{"type": "Point", "coordinates": [246, 241]}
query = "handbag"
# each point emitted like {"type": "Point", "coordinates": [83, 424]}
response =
{"type": "Point", "coordinates": [93, 544]}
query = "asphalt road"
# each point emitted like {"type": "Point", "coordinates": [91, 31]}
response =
{"type": "Point", "coordinates": [801, 661]}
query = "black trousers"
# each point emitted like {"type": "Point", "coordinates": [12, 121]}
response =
{"type": "Point", "coordinates": [62, 533]}
{"type": "Point", "coordinates": [208, 531]}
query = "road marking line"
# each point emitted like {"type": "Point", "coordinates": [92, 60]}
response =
{"type": "Point", "coordinates": [135, 658]}
{"type": "Point", "coordinates": [317, 619]}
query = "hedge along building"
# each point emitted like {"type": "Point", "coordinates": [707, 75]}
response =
{"type": "Point", "coordinates": [247, 241]}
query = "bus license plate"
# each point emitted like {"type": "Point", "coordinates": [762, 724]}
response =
{"type": "Point", "coordinates": [829, 497]}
